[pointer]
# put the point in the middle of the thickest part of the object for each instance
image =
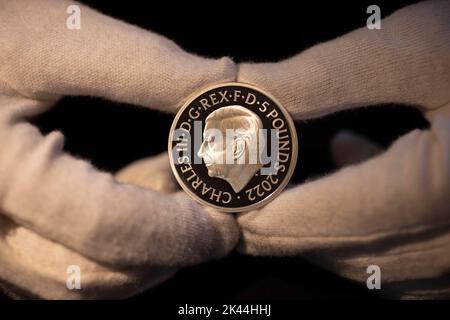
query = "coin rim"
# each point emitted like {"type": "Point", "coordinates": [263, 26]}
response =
{"type": "Point", "coordinates": [292, 165]}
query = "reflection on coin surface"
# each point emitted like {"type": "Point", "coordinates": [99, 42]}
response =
{"type": "Point", "coordinates": [233, 147]}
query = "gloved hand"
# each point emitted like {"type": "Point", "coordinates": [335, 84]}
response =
{"type": "Point", "coordinates": [394, 209]}
{"type": "Point", "coordinates": [56, 210]}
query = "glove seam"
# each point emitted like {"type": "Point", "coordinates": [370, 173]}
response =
{"type": "Point", "coordinates": [374, 235]}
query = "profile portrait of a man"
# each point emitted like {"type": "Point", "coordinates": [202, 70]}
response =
{"type": "Point", "coordinates": [232, 145]}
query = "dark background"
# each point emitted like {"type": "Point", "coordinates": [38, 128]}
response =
{"type": "Point", "coordinates": [111, 134]}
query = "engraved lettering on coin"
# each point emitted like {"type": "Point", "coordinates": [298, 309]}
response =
{"type": "Point", "coordinates": [233, 147]}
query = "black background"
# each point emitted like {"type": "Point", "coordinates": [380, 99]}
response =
{"type": "Point", "coordinates": [111, 134]}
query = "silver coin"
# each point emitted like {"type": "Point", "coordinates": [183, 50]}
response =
{"type": "Point", "coordinates": [233, 147]}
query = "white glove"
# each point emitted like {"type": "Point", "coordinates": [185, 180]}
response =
{"type": "Point", "coordinates": [56, 210]}
{"type": "Point", "coordinates": [394, 209]}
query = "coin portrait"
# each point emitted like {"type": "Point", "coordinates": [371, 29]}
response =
{"type": "Point", "coordinates": [233, 147]}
